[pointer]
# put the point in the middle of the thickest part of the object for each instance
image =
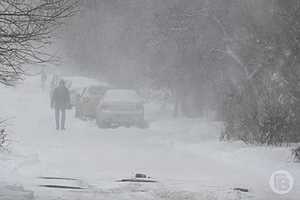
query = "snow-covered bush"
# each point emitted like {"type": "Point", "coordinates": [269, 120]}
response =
{"type": "Point", "coordinates": [3, 135]}
{"type": "Point", "coordinates": [3, 139]}
{"type": "Point", "coordinates": [296, 154]}
{"type": "Point", "coordinates": [262, 114]}
{"type": "Point", "coordinates": [276, 126]}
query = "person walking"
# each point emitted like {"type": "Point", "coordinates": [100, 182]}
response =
{"type": "Point", "coordinates": [60, 101]}
{"type": "Point", "coordinates": [53, 84]}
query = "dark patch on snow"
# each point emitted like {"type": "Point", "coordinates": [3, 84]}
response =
{"type": "Point", "coordinates": [241, 189]}
{"type": "Point", "coordinates": [62, 187]}
{"type": "Point", "coordinates": [140, 176]}
{"type": "Point", "coordinates": [58, 178]}
{"type": "Point", "coordinates": [138, 180]}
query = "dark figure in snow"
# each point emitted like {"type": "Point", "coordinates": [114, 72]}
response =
{"type": "Point", "coordinates": [53, 84]}
{"type": "Point", "coordinates": [296, 154]}
{"type": "Point", "coordinates": [60, 101]}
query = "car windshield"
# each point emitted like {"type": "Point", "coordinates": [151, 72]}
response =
{"type": "Point", "coordinates": [121, 96]}
{"type": "Point", "coordinates": [96, 90]}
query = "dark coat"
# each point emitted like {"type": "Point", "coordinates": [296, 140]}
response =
{"type": "Point", "coordinates": [61, 98]}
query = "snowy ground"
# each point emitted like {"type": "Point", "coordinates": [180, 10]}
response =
{"type": "Point", "coordinates": [184, 155]}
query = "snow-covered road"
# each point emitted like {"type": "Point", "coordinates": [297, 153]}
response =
{"type": "Point", "coordinates": [184, 155]}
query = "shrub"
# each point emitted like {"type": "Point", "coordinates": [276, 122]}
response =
{"type": "Point", "coordinates": [263, 114]}
{"type": "Point", "coordinates": [3, 139]}
{"type": "Point", "coordinates": [296, 154]}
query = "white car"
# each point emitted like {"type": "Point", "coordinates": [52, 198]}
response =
{"type": "Point", "coordinates": [120, 107]}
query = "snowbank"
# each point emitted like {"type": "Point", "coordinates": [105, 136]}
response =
{"type": "Point", "coordinates": [8, 192]}
{"type": "Point", "coordinates": [185, 155]}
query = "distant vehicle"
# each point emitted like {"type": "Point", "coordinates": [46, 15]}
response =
{"type": "Point", "coordinates": [76, 85]}
{"type": "Point", "coordinates": [120, 107]}
{"type": "Point", "coordinates": [88, 100]}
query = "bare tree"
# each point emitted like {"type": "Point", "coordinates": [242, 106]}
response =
{"type": "Point", "coordinates": [193, 33]}
{"type": "Point", "coordinates": [26, 28]}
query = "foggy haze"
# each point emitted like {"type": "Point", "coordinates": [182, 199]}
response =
{"type": "Point", "coordinates": [149, 99]}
